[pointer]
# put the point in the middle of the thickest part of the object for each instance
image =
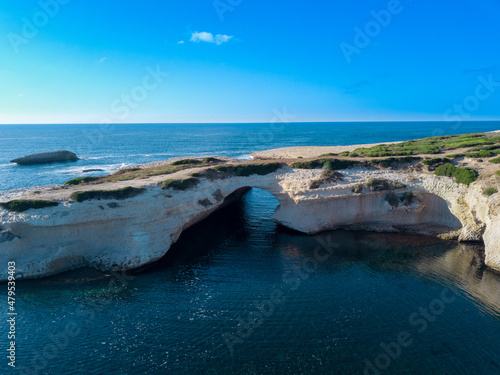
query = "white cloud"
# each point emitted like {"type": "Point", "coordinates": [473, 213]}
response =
{"type": "Point", "coordinates": [180, 42]}
{"type": "Point", "coordinates": [219, 39]}
{"type": "Point", "coordinates": [103, 59]}
{"type": "Point", "coordinates": [209, 38]}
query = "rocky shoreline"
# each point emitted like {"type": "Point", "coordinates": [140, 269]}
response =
{"type": "Point", "coordinates": [130, 219]}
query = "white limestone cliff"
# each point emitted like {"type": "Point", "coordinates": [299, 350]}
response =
{"type": "Point", "coordinates": [130, 233]}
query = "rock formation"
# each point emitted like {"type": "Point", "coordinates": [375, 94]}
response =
{"type": "Point", "coordinates": [129, 231]}
{"type": "Point", "coordinates": [46, 157]}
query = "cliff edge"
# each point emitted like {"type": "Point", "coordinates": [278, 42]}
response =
{"type": "Point", "coordinates": [131, 218]}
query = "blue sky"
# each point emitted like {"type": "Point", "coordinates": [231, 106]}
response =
{"type": "Point", "coordinates": [75, 61]}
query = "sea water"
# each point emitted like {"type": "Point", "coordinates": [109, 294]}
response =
{"type": "Point", "coordinates": [238, 294]}
{"type": "Point", "coordinates": [110, 147]}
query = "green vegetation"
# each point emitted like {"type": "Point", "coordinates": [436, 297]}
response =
{"type": "Point", "coordinates": [490, 191]}
{"type": "Point", "coordinates": [339, 164]}
{"type": "Point", "coordinates": [81, 180]}
{"type": "Point", "coordinates": [392, 162]}
{"type": "Point", "coordinates": [379, 184]}
{"type": "Point", "coordinates": [140, 173]}
{"type": "Point", "coordinates": [123, 193]}
{"type": "Point", "coordinates": [180, 184]}
{"type": "Point", "coordinates": [244, 170]}
{"type": "Point", "coordinates": [456, 156]}
{"type": "Point", "coordinates": [435, 161]}
{"type": "Point", "coordinates": [495, 161]}
{"type": "Point", "coordinates": [209, 160]}
{"type": "Point", "coordinates": [24, 205]}
{"type": "Point", "coordinates": [331, 164]}
{"type": "Point", "coordinates": [127, 170]}
{"type": "Point", "coordinates": [426, 146]}
{"type": "Point", "coordinates": [494, 148]}
{"type": "Point", "coordinates": [328, 176]}
{"type": "Point", "coordinates": [358, 188]}
{"type": "Point", "coordinates": [498, 173]}
{"type": "Point", "coordinates": [480, 154]}
{"type": "Point", "coordinates": [462, 175]}
{"type": "Point", "coordinates": [187, 161]}
{"type": "Point", "coordinates": [329, 154]}
{"type": "Point", "coordinates": [240, 170]}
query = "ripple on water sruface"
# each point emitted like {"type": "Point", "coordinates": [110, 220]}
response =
{"type": "Point", "coordinates": [329, 316]}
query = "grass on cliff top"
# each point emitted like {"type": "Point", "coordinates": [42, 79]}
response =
{"type": "Point", "coordinates": [24, 205]}
{"type": "Point", "coordinates": [426, 146]}
{"type": "Point", "coordinates": [490, 191]}
{"type": "Point", "coordinates": [495, 161]}
{"type": "Point", "coordinates": [392, 162]}
{"type": "Point", "coordinates": [327, 163]}
{"type": "Point", "coordinates": [140, 173]}
{"type": "Point", "coordinates": [245, 170]}
{"type": "Point", "coordinates": [180, 184]}
{"type": "Point", "coordinates": [241, 170]}
{"type": "Point", "coordinates": [81, 180]}
{"type": "Point", "coordinates": [120, 194]}
{"type": "Point", "coordinates": [328, 176]}
{"type": "Point", "coordinates": [339, 164]}
{"type": "Point", "coordinates": [435, 161]}
{"type": "Point", "coordinates": [462, 175]}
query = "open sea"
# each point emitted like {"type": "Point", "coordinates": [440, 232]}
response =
{"type": "Point", "coordinates": [238, 294]}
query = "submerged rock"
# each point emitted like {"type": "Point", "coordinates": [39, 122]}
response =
{"type": "Point", "coordinates": [46, 157]}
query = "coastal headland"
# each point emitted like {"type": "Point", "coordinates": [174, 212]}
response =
{"type": "Point", "coordinates": [441, 186]}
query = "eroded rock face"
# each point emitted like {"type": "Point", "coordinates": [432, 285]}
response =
{"type": "Point", "coordinates": [46, 157]}
{"type": "Point", "coordinates": [134, 232]}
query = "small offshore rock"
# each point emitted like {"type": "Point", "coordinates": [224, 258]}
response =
{"type": "Point", "coordinates": [46, 157]}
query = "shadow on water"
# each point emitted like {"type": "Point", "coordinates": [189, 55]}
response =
{"type": "Point", "coordinates": [427, 258]}
{"type": "Point", "coordinates": [243, 229]}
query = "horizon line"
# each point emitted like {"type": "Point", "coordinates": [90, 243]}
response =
{"type": "Point", "coordinates": [242, 122]}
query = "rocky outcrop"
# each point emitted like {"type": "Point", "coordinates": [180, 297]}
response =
{"type": "Point", "coordinates": [133, 232]}
{"type": "Point", "coordinates": [46, 157]}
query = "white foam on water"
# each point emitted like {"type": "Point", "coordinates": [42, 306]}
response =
{"type": "Point", "coordinates": [106, 168]}
{"type": "Point", "coordinates": [168, 154]}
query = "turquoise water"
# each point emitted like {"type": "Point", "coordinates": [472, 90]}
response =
{"type": "Point", "coordinates": [115, 146]}
{"type": "Point", "coordinates": [238, 294]}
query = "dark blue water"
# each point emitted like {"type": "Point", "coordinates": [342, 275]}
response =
{"type": "Point", "coordinates": [113, 146]}
{"type": "Point", "coordinates": [239, 295]}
